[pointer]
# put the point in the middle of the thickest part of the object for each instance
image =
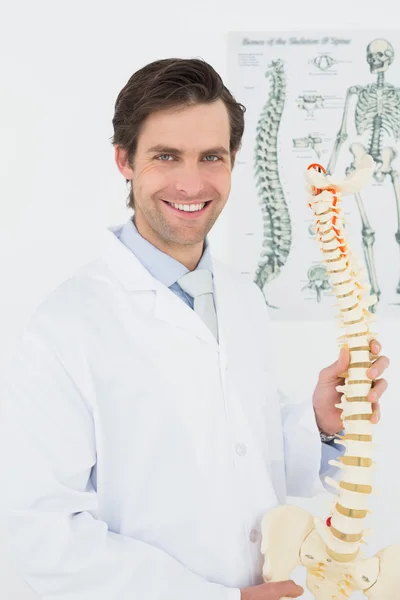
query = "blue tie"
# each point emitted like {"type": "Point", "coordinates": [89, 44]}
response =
{"type": "Point", "coordinates": [199, 285]}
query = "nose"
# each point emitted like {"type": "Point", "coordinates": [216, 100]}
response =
{"type": "Point", "coordinates": [189, 180]}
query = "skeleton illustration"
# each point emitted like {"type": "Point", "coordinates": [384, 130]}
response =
{"type": "Point", "coordinates": [331, 550]}
{"type": "Point", "coordinates": [377, 111]}
{"type": "Point", "coordinates": [318, 280]}
{"type": "Point", "coordinates": [277, 229]}
{"type": "Point", "coordinates": [309, 102]}
{"type": "Point", "coordinates": [311, 141]}
{"type": "Point", "coordinates": [323, 62]}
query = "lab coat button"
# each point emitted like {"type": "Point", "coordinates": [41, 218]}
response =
{"type": "Point", "coordinates": [241, 449]}
{"type": "Point", "coordinates": [253, 535]}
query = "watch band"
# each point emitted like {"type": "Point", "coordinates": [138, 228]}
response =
{"type": "Point", "coordinates": [325, 437]}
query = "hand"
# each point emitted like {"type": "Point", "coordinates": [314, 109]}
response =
{"type": "Point", "coordinates": [325, 396]}
{"type": "Point", "coordinates": [272, 591]}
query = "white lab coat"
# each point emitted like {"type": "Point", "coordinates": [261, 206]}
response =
{"type": "Point", "coordinates": [142, 455]}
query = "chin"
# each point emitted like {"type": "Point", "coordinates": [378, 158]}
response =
{"type": "Point", "coordinates": [186, 238]}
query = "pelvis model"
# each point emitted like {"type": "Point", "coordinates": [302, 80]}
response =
{"type": "Point", "coordinates": [331, 550]}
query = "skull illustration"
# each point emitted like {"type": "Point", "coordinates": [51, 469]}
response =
{"type": "Point", "coordinates": [380, 55]}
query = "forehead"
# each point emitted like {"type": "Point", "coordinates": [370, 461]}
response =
{"type": "Point", "coordinates": [194, 125]}
{"type": "Point", "coordinates": [379, 46]}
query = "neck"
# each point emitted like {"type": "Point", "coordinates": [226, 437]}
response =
{"type": "Point", "coordinates": [188, 255]}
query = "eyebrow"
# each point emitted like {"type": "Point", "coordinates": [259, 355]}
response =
{"type": "Point", "coordinates": [168, 150]}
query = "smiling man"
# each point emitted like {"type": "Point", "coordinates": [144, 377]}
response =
{"type": "Point", "coordinates": [144, 432]}
{"type": "Point", "coordinates": [181, 177]}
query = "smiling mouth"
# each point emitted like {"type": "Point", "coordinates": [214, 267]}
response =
{"type": "Point", "coordinates": [188, 208]}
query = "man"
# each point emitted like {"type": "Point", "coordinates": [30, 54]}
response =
{"type": "Point", "coordinates": [144, 434]}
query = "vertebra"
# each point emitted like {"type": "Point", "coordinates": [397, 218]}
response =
{"type": "Point", "coordinates": [277, 230]}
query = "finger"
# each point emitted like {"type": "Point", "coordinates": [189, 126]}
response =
{"type": "Point", "coordinates": [375, 347]}
{"type": "Point", "coordinates": [288, 589]}
{"type": "Point", "coordinates": [343, 361]}
{"type": "Point", "coordinates": [378, 388]}
{"type": "Point", "coordinates": [376, 413]}
{"type": "Point", "coordinates": [337, 368]}
{"type": "Point", "coordinates": [378, 367]}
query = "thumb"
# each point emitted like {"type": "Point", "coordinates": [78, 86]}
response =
{"type": "Point", "coordinates": [336, 369]}
{"type": "Point", "coordinates": [286, 589]}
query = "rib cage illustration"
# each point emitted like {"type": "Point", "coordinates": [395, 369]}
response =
{"type": "Point", "coordinates": [277, 228]}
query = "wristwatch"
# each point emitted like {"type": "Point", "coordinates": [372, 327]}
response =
{"type": "Point", "coordinates": [325, 437]}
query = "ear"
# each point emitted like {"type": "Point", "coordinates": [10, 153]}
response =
{"type": "Point", "coordinates": [123, 165]}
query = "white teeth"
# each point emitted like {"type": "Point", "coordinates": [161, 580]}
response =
{"type": "Point", "coordinates": [188, 207]}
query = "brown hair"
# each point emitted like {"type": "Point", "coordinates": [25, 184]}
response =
{"type": "Point", "coordinates": [163, 84]}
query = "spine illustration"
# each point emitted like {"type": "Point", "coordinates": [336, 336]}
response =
{"type": "Point", "coordinates": [277, 231]}
{"type": "Point", "coordinates": [344, 531]}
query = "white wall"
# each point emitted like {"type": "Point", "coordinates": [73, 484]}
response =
{"type": "Point", "coordinates": [62, 66]}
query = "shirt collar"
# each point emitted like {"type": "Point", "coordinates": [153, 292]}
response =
{"type": "Point", "coordinates": [161, 266]}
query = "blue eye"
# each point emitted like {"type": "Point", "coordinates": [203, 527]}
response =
{"type": "Point", "coordinates": [161, 157]}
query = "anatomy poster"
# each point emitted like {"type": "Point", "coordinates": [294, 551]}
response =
{"type": "Point", "coordinates": [325, 97]}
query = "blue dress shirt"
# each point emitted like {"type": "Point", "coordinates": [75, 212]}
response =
{"type": "Point", "coordinates": [160, 265]}
{"type": "Point", "coordinates": [167, 270]}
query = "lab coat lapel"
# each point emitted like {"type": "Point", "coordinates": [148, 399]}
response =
{"type": "Point", "coordinates": [173, 310]}
{"type": "Point", "coordinates": [135, 277]}
{"type": "Point", "coordinates": [223, 302]}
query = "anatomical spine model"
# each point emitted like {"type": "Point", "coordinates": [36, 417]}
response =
{"type": "Point", "coordinates": [377, 111]}
{"type": "Point", "coordinates": [331, 550]}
